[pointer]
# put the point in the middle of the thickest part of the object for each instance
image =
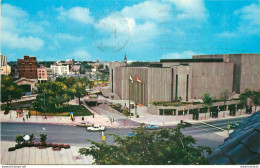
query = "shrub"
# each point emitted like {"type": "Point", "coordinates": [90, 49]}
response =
{"type": "Point", "coordinates": [61, 145]}
{"type": "Point", "coordinates": [49, 144]}
{"type": "Point", "coordinates": [66, 146]}
{"type": "Point", "coordinates": [18, 146]}
{"type": "Point", "coordinates": [41, 147]}
{"type": "Point", "coordinates": [11, 149]}
{"type": "Point", "coordinates": [55, 145]}
{"type": "Point", "coordinates": [19, 139]}
{"type": "Point", "coordinates": [30, 144]}
{"type": "Point", "coordinates": [25, 144]}
{"type": "Point", "coordinates": [36, 144]}
{"type": "Point", "coordinates": [42, 144]}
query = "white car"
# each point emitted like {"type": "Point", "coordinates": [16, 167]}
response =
{"type": "Point", "coordinates": [96, 128]}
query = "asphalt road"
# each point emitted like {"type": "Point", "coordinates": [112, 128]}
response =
{"type": "Point", "coordinates": [204, 134]}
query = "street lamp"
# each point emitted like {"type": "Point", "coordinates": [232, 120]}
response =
{"type": "Point", "coordinates": [44, 106]}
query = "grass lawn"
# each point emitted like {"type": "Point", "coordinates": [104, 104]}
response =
{"type": "Point", "coordinates": [15, 104]}
{"type": "Point", "coordinates": [64, 111]}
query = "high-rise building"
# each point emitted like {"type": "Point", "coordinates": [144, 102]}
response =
{"type": "Point", "coordinates": [27, 67]}
{"type": "Point", "coordinates": [3, 60]}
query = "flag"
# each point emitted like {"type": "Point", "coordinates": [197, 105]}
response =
{"type": "Point", "coordinates": [130, 78]}
{"type": "Point", "coordinates": [138, 80]}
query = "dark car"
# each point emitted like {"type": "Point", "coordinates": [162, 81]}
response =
{"type": "Point", "coordinates": [235, 125]}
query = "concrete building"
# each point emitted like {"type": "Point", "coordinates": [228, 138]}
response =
{"type": "Point", "coordinates": [188, 79]}
{"type": "Point", "coordinates": [27, 67]}
{"type": "Point", "coordinates": [60, 69]}
{"type": "Point", "coordinates": [50, 76]}
{"type": "Point", "coordinates": [42, 73]}
{"type": "Point", "coordinates": [3, 59]}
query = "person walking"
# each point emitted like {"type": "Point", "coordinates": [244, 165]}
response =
{"type": "Point", "coordinates": [23, 119]}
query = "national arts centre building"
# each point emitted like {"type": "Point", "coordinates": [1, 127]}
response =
{"type": "Point", "coordinates": [185, 79]}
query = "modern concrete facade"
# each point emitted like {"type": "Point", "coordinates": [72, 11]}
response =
{"type": "Point", "coordinates": [27, 67]}
{"type": "Point", "coordinates": [3, 59]}
{"type": "Point", "coordinates": [187, 78]}
{"type": "Point", "coordinates": [5, 70]}
{"type": "Point", "coordinates": [246, 70]}
{"type": "Point", "coordinates": [155, 86]}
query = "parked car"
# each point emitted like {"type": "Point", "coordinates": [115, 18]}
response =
{"type": "Point", "coordinates": [151, 127]}
{"type": "Point", "coordinates": [235, 125]}
{"type": "Point", "coordinates": [96, 128]}
{"type": "Point", "coordinates": [84, 124]}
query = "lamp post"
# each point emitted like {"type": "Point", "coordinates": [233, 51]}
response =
{"type": "Point", "coordinates": [44, 106]}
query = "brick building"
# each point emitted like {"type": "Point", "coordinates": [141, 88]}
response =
{"type": "Point", "coordinates": [27, 67]}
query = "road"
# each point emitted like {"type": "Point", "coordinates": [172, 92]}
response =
{"type": "Point", "coordinates": [204, 134]}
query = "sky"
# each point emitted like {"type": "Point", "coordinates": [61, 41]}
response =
{"type": "Point", "coordinates": [149, 30]}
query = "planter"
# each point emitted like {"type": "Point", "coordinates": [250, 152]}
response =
{"type": "Point", "coordinates": [25, 144]}
{"type": "Point", "coordinates": [41, 147]}
{"type": "Point", "coordinates": [61, 145]}
{"type": "Point", "coordinates": [36, 144]}
{"type": "Point", "coordinates": [66, 146]}
{"type": "Point", "coordinates": [42, 144]}
{"type": "Point", "coordinates": [30, 144]}
{"type": "Point", "coordinates": [49, 144]}
{"type": "Point", "coordinates": [55, 145]}
{"type": "Point", "coordinates": [11, 149]}
{"type": "Point", "coordinates": [56, 149]}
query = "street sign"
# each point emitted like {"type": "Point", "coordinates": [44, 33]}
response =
{"type": "Point", "coordinates": [131, 134]}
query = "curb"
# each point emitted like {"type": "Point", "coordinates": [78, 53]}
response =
{"type": "Point", "coordinates": [38, 123]}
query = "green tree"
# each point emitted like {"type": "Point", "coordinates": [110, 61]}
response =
{"type": "Point", "coordinates": [43, 138]}
{"type": "Point", "coordinates": [224, 96]}
{"type": "Point", "coordinates": [103, 77]}
{"type": "Point", "coordinates": [9, 91]}
{"type": "Point", "coordinates": [32, 138]}
{"type": "Point", "coordinates": [207, 101]}
{"type": "Point", "coordinates": [19, 139]}
{"type": "Point", "coordinates": [79, 90]}
{"type": "Point", "coordinates": [164, 147]}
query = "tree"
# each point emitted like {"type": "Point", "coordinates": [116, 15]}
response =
{"type": "Point", "coordinates": [224, 96]}
{"type": "Point", "coordinates": [43, 138]}
{"type": "Point", "coordinates": [164, 147]}
{"type": "Point", "coordinates": [31, 137]}
{"type": "Point", "coordinates": [19, 139]}
{"type": "Point", "coordinates": [103, 77]}
{"type": "Point", "coordinates": [90, 85]}
{"type": "Point", "coordinates": [79, 90]}
{"type": "Point", "coordinates": [207, 101]}
{"type": "Point", "coordinates": [9, 91]}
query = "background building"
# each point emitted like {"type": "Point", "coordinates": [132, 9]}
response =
{"type": "Point", "coordinates": [27, 67]}
{"type": "Point", "coordinates": [42, 73]}
{"type": "Point", "coordinates": [5, 69]}
{"type": "Point", "coordinates": [60, 69]}
{"type": "Point", "coordinates": [186, 79]}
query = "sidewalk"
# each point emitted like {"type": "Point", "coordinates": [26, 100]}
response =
{"type": "Point", "coordinates": [35, 156]}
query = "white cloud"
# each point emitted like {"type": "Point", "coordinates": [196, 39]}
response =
{"type": "Point", "coordinates": [18, 31]}
{"type": "Point", "coordinates": [190, 9]}
{"type": "Point", "coordinates": [175, 55]}
{"type": "Point", "coordinates": [81, 54]}
{"type": "Point", "coordinates": [148, 10]}
{"type": "Point", "coordinates": [227, 34]}
{"type": "Point", "coordinates": [68, 37]}
{"type": "Point", "coordinates": [13, 40]}
{"type": "Point", "coordinates": [79, 14]}
{"type": "Point", "coordinates": [250, 21]}
{"type": "Point", "coordinates": [13, 11]}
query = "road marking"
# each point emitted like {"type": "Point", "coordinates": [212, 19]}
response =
{"type": "Point", "coordinates": [212, 126]}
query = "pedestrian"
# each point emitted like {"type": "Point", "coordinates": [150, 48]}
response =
{"type": "Point", "coordinates": [82, 118]}
{"type": "Point", "coordinates": [73, 119]}
{"type": "Point", "coordinates": [27, 116]}
{"type": "Point", "coordinates": [93, 115]}
{"type": "Point", "coordinates": [23, 119]}
{"type": "Point", "coordinates": [124, 122]}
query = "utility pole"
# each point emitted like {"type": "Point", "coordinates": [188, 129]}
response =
{"type": "Point", "coordinates": [44, 106]}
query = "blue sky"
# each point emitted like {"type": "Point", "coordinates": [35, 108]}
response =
{"type": "Point", "coordinates": [144, 30]}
